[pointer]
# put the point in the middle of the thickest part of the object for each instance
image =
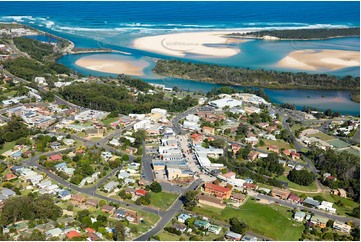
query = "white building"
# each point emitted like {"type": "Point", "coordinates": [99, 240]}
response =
{"type": "Point", "coordinates": [192, 118]}
{"type": "Point", "coordinates": [221, 103]}
{"type": "Point", "coordinates": [144, 124]}
{"type": "Point", "coordinates": [327, 206]}
{"type": "Point", "coordinates": [161, 111]}
{"type": "Point", "coordinates": [41, 81]}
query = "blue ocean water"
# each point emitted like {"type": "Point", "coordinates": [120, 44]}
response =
{"type": "Point", "coordinates": [116, 24]}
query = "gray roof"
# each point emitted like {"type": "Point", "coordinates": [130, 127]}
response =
{"type": "Point", "coordinates": [7, 192]}
{"type": "Point", "coordinates": [233, 235]}
{"type": "Point", "coordinates": [311, 202]}
{"type": "Point", "coordinates": [3, 197]}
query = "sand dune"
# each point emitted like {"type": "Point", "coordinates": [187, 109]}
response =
{"type": "Point", "coordinates": [320, 60]}
{"type": "Point", "coordinates": [113, 66]}
{"type": "Point", "coordinates": [210, 44]}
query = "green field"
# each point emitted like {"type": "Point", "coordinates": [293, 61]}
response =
{"type": "Point", "coordinates": [353, 151]}
{"type": "Point", "coordinates": [279, 143]}
{"type": "Point", "coordinates": [322, 136]}
{"type": "Point", "coordinates": [7, 146]}
{"type": "Point", "coordinates": [271, 221]}
{"type": "Point", "coordinates": [162, 200]}
{"type": "Point", "coordinates": [108, 121]}
{"type": "Point", "coordinates": [338, 144]}
{"type": "Point", "coordinates": [311, 188]}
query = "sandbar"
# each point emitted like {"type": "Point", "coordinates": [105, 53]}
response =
{"type": "Point", "coordinates": [210, 44]}
{"type": "Point", "coordinates": [134, 68]}
{"type": "Point", "coordinates": [314, 60]}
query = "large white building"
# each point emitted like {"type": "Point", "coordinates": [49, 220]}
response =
{"type": "Point", "coordinates": [161, 111]}
{"type": "Point", "coordinates": [221, 103]}
{"type": "Point", "coordinates": [144, 124]}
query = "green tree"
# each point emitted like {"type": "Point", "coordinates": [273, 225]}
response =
{"type": "Point", "coordinates": [155, 187]}
{"type": "Point", "coordinates": [237, 226]}
{"type": "Point", "coordinates": [190, 199]}
{"type": "Point", "coordinates": [119, 232]}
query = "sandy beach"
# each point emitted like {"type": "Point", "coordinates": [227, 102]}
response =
{"type": "Point", "coordinates": [314, 60]}
{"type": "Point", "coordinates": [210, 44]}
{"type": "Point", "coordinates": [134, 68]}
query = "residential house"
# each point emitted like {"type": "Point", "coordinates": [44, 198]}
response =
{"type": "Point", "coordinates": [218, 191]}
{"type": "Point", "coordinates": [327, 206]}
{"type": "Point", "coordinates": [295, 156]}
{"type": "Point", "coordinates": [235, 148]}
{"type": "Point", "coordinates": [110, 186]}
{"type": "Point", "coordinates": [201, 224]}
{"type": "Point", "coordinates": [250, 186]}
{"type": "Point", "coordinates": [141, 192]}
{"type": "Point", "coordinates": [339, 192]}
{"type": "Point", "coordinates": [340, 226]}
{"type": "Point", "coordinates": [55, 145]}
{"type": "Point", "coordinates": [56, 232]}
{"type": "Point", "coordinates": [318, 221]}
{"type": "Point", "coordinates": [229, 175]}
{"type": "Point", "coordinates": [77, 198]}
{"type": "Point", "coordinates": [233, 236]}
{"type": "Point", "coordinates": [183, 217]}
{"type": "Point", "coordinates": [56, 157]}
{"type": "Point", "coordinates": [72, 234]}
{"type": "Point", "coordinates": [310, 202]}
{"type": "Point", "coordinates": [180, 227]}
{"type": "Point", "coordinates": [238, 197]}
{"type": "Point", "coordinates": [211, 201]}
{"type": "Point", "coordinates": [214, 229]}
{"type": "Point", "coordinates": [252, 155]}
{"type": "Point", "coordinates": [131, 150]}
{"type": "Point", "coordinates": [281, 193]}
{"type": "Point", "coordinates": [299, 216]}
{"type": "Point", "coordinates": [108, 209]}
{"type": "Point", "coordinates": [7, 192]}
{"type": "Point", "coordinates": [273, 148]}
{"type": "Point", "coordinates": [10, 177]}
{"type": "Point", "coordinates": [64, 194]}
{"type": "Point", "coordinates": [293, 198]}
{"type": "Point", "coordinates": [120, 213]}
{"type": "Point", "coordinates": [208, 130]}
{"type": "Point", "coordinates": [92, 202]}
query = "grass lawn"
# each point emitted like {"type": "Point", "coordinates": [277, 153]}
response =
{"type": "Point", "coordinates": [162, 200]}
{"type": "Point", "coordinates": [296, 127]}
{"type": "Point", "coordinates": [166, 236]}
{"type": "Point", "coordinates": [338, 144]}
{"type": "Point", "coordinates": [322, 136]}
{"type": "Point", "coordinates": [108, 121]}
{"type": "Point", "coordinates": [353, 151]}
{"type": "Point", "coordinates": [271, 221]}
{"type": "Point", "coordinates": [279, 143]}
{"type": "Point", "coordinates": [7, 146]}
{"type": "Point", "coordinates": [311, 188]}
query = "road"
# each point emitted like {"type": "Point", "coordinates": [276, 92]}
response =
{"type": "Point", "coordinates": [315, 211]}
{"type": "Point", "coordinates": [169, 214]}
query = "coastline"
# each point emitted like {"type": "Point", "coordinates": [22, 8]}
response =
{"type": "Point", "coordinates": [113, 66]}
{"type": "Point", "coordinates": [214, 44]}
{"type": "Point", "coordinates": [318, 60]}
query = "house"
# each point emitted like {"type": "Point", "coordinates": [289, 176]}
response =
{"type": "Point", "coordinates": [108, 209]}
{"type": "Point", "coordinates": [120, 213]}
{"type": "Point", "coordinates": [131, 150]}
{"type": "Point", "coordinates": [247, 237]}
{"type": "Point", "coordinates": [273, 148]}
{"type": "Point", "coordinates": [339, 192]}
{"type": "Point", "coordinates": [251, 140]}
{"type": "Point", "coordinates": [110, 186]}
{"type": "Point", "coordinates": [299, 216]}
{"type": "Point", "coordinates": [89, 230]}
{"type": "Point", "coordinates": [60, 166]}
{"type": "Point", "coordinates": [250, 186]}
{"type": "Point", "coordinates": [235, 147]}
{"type": "Point", "coordinates": [208, 130]}
{"type": "Point", "coordinates": [310, 202]}
{"type": "Point", "coordinates": [64, 195]}
{"type": "Point", "coordinates": [293, 198]}
{"type": "Point", "coordinates": [53, 233]}
{"type": "Point", "coordinates": [10, 176]}
{"type": "Point", "coordinates": [77, 198]}
{"type": "Point", "coordinates": [345, 228]}
{"type": "Point", "coordinates": [282, 162]}
{"type": "Point", "coordinates": [183, 217]}
{"type": "Point", "coordinates": [281, 193]}
{"type": "Point", "coordinates": [238, 197]}
{"type": "Point", "coordinates": [7, 192]}
{"type": "Point", "coordinates": [327, 206]}
{"type": "Point", "coordinates": [93, 236]}
{"type": "Point", "coordinates": [141, 192]}
{"type": "Point", "coordinates": [252, 155]}
{"type": "Point", "coordinates": [180, 227]}
{"type": "Point", "coordinates": [229, 175]}
{"type": "Point", "coordinates": [201, 224]}
{"type": "Point", "coordinates": [95, 132]}
{"type": "Point", "coordinates": [318, 221]}
{"type": "Point", "coordinates": [197, 138]}
{"type": "Point", "coordinates": [72, 234]}
{"type": "Point", "coordinates": [214, 229]}
{"type": "Point", "coordinates": [69, 142]}
{"type": "Point", "coordinates": [211, 201]}
{"type": "Point", "coordinates": [115, 142]}
{"type": "Point", "coordinates": [92, 202]}
{"type": "Point", "coordinates": [55, 145]}
{"type": "Point", "coordinates": [287, 152]}
{"type": "Point", "coordinates": [295, 156]}
{"type": "Point", "coordinates": [56, 157]}
{"type": "Point", "coordinates": [233, 236]}
{"type": "Point", "coordinates": [218, 191]}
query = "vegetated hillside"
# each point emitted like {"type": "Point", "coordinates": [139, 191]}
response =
{"type": "Point", "coordinates": [259, 78]}
{"type": "Point", "coordinates": [303, 33]}
{"type": "Point", "coordinates": [34, 48]}
{"type": "Point", "coordinates": [113, 98]}
{"type": "Point", "coordinates": [29, 68]}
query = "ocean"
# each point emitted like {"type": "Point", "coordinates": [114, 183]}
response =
{"type": "Point", "coordinates": [116, 24]}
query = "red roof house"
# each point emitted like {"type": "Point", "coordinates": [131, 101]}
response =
{"type": "Point", "coordinates": [218, 191]}
{"type": "Point", "coordinates": [72, 234]}
{"type": "Point", "coordinates": [140, 192]}
{"type": "Point", "coordinates": [56, 157]}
